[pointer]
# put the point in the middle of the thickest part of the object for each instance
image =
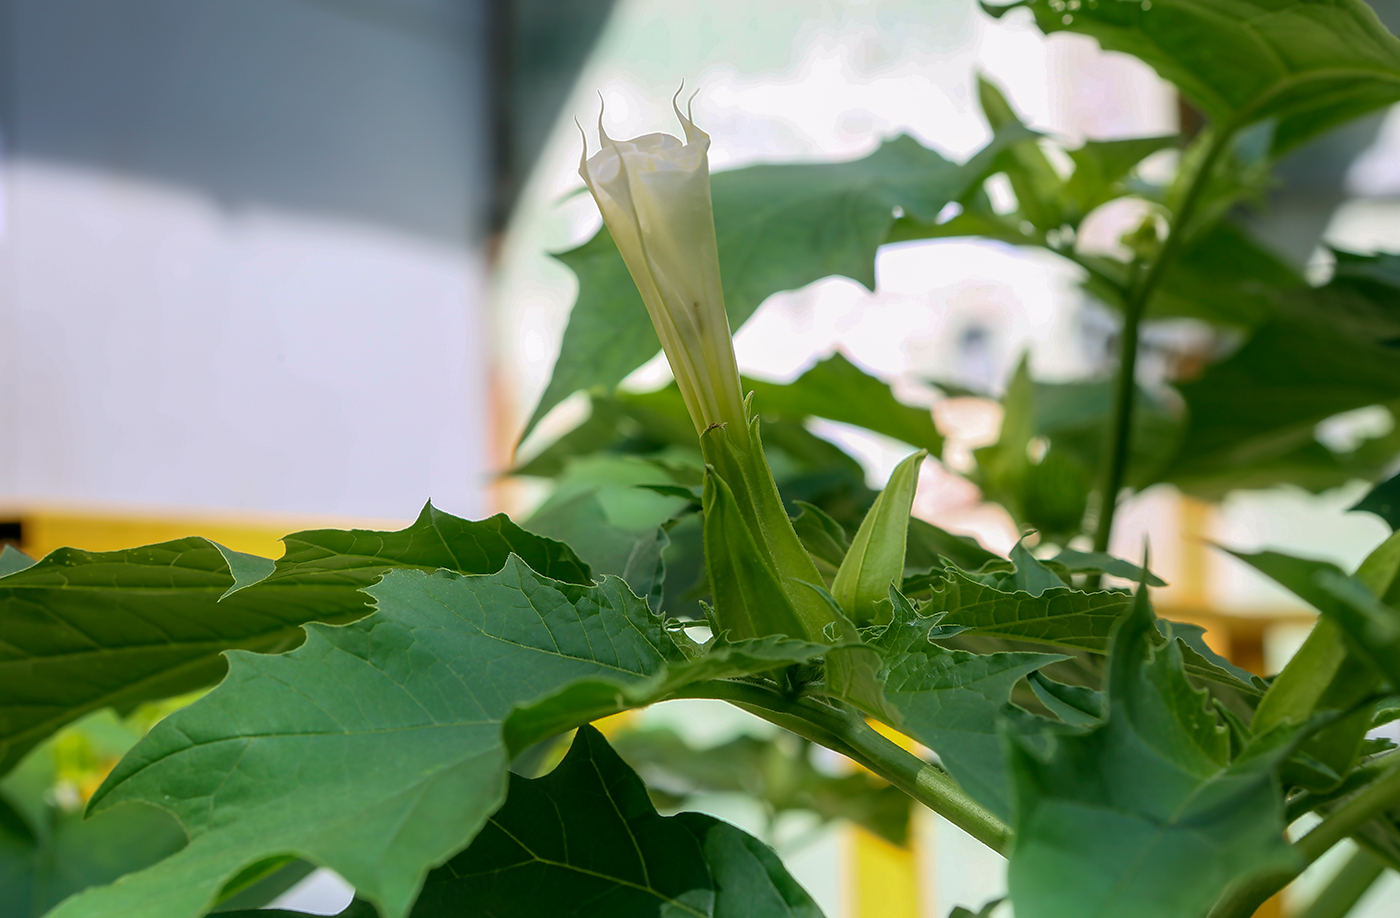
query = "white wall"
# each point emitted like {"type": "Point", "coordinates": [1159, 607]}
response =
{"type": "Point", "coordinates": [240, 254]}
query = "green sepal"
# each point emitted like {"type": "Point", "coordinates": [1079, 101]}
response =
{"type": "Point", "coordinates": [755, 561]}
{"type": "Point", "coordinates": [876, 556]}
{"type": "Point", "coordinates": [748, 594]}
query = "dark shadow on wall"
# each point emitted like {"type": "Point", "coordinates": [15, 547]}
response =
{"type": "Point", "coordinates": [377, 110]}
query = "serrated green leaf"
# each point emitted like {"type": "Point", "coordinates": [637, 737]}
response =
{"type": "Point", "coordinates": [348, 559]}
{"type": "Point", "coordinates": [838, 390]}
{"type": "Point", "coordinates": [1030, 576]}
{"type": "Point", "coordinates": [1074, 705]}
{"type": "Point", "coordinates": [1098, 562]}
{"type": "Point", "coordinates": [950, 700]}
{"type": "Point", "coordinates": [1147, 813]}
{"type": "Point", "coordinates": [620, 529]}
{"type": "Point", "coordinates": [778, 228]}
{"type": "Point", "coordinates": [1309, 64]}
{"type": "Point", "coordinates": [584, 840]}
{"type": "Point", "coordinates": [1203, 662]}
{"type": "Point", "coordinates": [379, 748]}
{"type": "Point", "coordinates": [80, 630]}
{"type": "Point", "coordinates": [1060, 616]}
{"type": "Point", "coordinates": [590, 699]}
{"type": "Point", "coordinates": [375, 749]}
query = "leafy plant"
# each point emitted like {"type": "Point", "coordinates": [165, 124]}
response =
{"type": "Point", "coordinates": [369, 693]}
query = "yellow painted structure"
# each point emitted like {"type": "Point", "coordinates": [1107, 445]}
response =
{"type": "Point", "coordinates": [39, 530]}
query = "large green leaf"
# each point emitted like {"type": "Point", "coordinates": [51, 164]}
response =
{"type": "Point", "coordinates": [604, 505]}
{"type": "Point", "coordinates": [584, 840]}
{"type": "Point", "coordinates": [379, 748]}
{"type": "Point", "coordinates": [80, 630]}
{"type": "Point", "coordinates": [1147, 815]}
{"type": "Point", "coordinates": [1309, 64]}
{"type": "Point", "coordinates": [777, 772]}
{"type": "Point", "coordinates": [951, 701]}
{"type": "Point", "coordinates": [1261, 405]}
{"type": "Point", "coordinates": [1224, 276]}
{"type": "Point", "coordinates": [838, 390]}
{"type": "Point", "coordinates": [1058, 616]}
{"type": "Point", "coordinates": [350, 559]}
{"type": "Point", "coordinates": [778, 228]}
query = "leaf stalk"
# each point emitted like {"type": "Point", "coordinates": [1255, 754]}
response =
{"type": "Point", "coordinates": [1379, 796]}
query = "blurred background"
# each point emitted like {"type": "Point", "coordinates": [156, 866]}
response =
{"type": "Point", "coordinates": [267, 264]}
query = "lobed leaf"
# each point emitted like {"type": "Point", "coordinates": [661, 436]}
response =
{"type": "Point", "coordinates": [1306, 64]}
{"type": "Point", "coordinates": [380, 748]}
{"type": "Point", "coordinates": [80, 631]}
{"type": "Point", "coordinates": [1149, 798]}
{"type": "Point", "coordinates": [585, 841]}
{"type": "Point", "coordinates": [951, 701]}
{"type": "Point", "coordinates": [1058, 616]}
{"type": "Point", "coordinates": [1262, 403]}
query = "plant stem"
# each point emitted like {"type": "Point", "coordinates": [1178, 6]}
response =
{"type": "Point", "coordinates": [1134, 307]}
{"type": "Point", "coordinates": [848, 733]}
{"type": "Point", "coordinates": [1379, 796]}
{"type": "Point", "coordinates": [1344, 890]}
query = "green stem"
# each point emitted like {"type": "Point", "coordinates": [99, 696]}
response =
{"type": "Point", "coordinates": [848, 733]}
{"type": "Point", "coordinates": [1346, 888]}
{"type": "Point", "coordinates": [1134, 307]}
{"type": "Point", "coordinates": [1379, 796]}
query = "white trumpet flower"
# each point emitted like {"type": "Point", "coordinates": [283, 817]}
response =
{"type": "Point", "coordinates": [654, 193]}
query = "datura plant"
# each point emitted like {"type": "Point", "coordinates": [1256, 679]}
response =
{"type": "Point", "coordinates": [186, 729]}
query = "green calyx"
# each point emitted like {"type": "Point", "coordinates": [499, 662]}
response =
{"type": "Point", "coordinates": [757, 567]}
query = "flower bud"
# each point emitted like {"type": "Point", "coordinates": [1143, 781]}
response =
{"type": "Point", "coordinates": [875, 559]}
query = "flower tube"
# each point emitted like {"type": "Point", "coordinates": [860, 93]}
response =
{"type": "Point", "coordinates": [654, 193]}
